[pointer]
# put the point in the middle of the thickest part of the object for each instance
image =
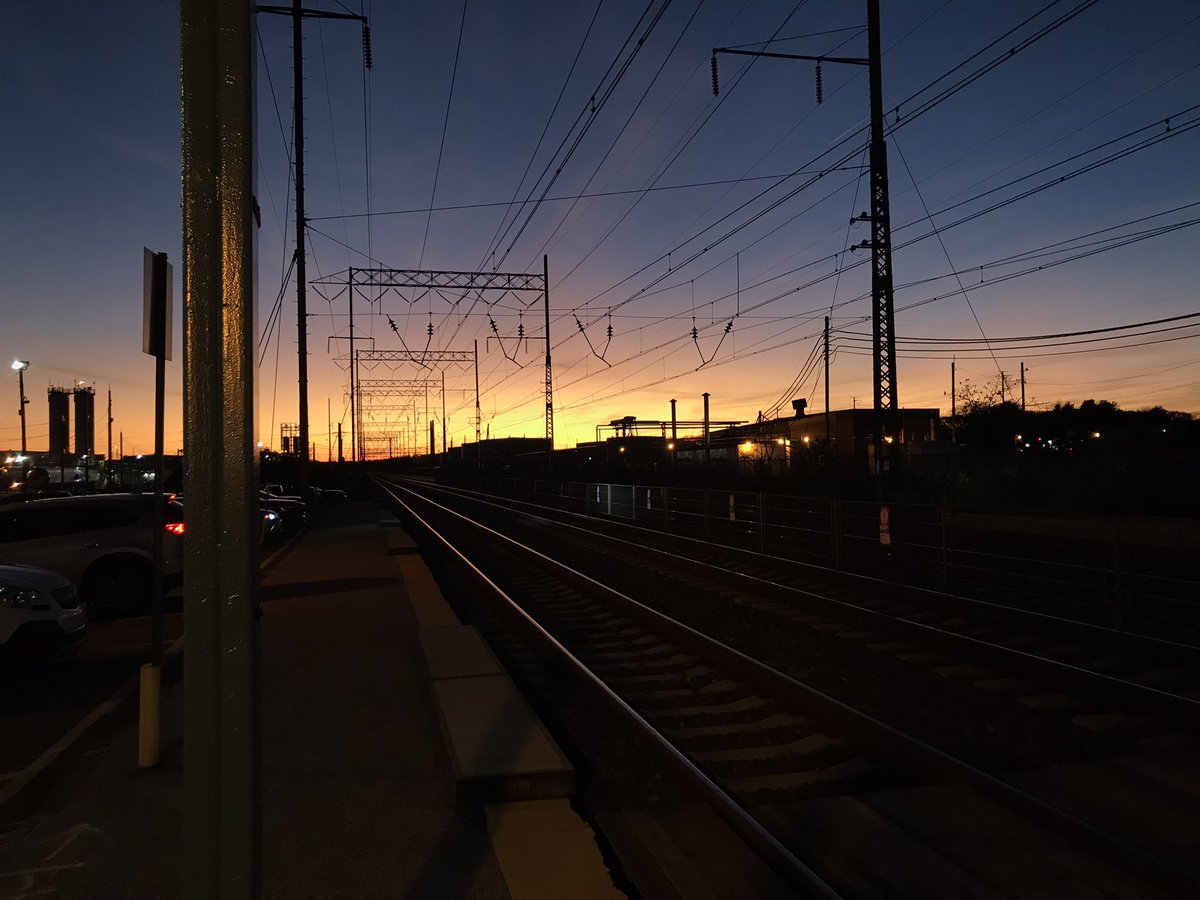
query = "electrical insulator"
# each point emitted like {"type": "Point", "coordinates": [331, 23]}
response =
{"type": "Point", "coordinates": [495, 330]}
{"type": "Point", "coordinates": [820, 87]}
{"type": "Point", "coordinates": [716, 86]}
{"type": "Point", "coordinates": [729, 327]}
{"type": "Point", "coordinates": [521, 330]}
{"type": "Point", "coordinates": [429, 329]}
{"type": "Point", "coordinates": [695, 333]}
{"type": "Point", "coordinates": [367, 45]}
{"type": "Point", "coordinates": [610, 331]}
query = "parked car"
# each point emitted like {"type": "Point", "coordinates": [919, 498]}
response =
{"type": "Point", "coordinates": [291, 511]}
{"type": "Point", "coordinates": [272, 524]}
{"type": "Point", "coordinates": [277, 490]}
{"type": "Point", "coordinates": [40, 615]}
{"type": "Point", "coordinates": [103, 543]}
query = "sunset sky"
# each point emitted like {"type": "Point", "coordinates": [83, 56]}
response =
{"type": "Point", "coordinates": [724, 242]}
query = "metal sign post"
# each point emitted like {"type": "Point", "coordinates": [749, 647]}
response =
{"type": "Point", "coordinates": [157, 317]}
{"type": "Point", "coordinates": [156, 341]}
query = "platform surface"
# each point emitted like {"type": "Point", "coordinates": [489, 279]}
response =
{"type": "Point", "coordinates": [457, 651]}
{"type": "Point", "coordinates": [498, 748]}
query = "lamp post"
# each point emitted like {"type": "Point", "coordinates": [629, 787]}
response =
{"type": "Point", "coordinates": [19, 366]}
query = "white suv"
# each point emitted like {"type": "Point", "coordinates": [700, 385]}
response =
{"type": "Point", "coordinates": [102, 543]}
{"type": "Point", "coordinates": [40, 614]}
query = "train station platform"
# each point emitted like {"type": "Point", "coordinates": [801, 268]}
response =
{"type": "Point", "coordinates": [397, 761]}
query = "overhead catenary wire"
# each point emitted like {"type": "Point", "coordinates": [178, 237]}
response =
{"type": "Point", "coordinates": [462, 22]}
{"type": "Point", "coordinates": [748, 288]}
{"type": "Point", "coordinates": [1044, 31]}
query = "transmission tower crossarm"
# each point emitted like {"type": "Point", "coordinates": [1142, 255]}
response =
{"type": "Point", "coordinates": [848, 60]}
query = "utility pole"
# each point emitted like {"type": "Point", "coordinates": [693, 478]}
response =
{"type": "Point", "coordinates": [954, 403]}
{"type": "Point", "coordinates": [221, 839]}
{"type": "Point", "coordinates": [351, 367]}
{"type": "Point", "coordinates": [21, 365]}
{"type": "Point", "coordinates": [108, 458]}
{"type": "Point", "coordinates": [1003, 385]}
{"type": "Point", "coordinates": [707, 453]}
{"type": "Point", "coordinates": [549, 373]}
{"type": "Point", "coordinates": [478, 414]}
{"type": "Point", "coordinates": [443, 411]}
{"type": "Point", "coordinates": [1022, 387]}
{"type": "Point", "coordinates": [953, 391]}
{"type": "Point", "coordinates": [883, 336]}
{"type": "Point", "coordinates": [298, 14]}
{"type": "Point", "coordinates": [828, 431]}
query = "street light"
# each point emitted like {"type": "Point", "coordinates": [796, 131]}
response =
{"type": "Point", "coordinates": [19, 366]}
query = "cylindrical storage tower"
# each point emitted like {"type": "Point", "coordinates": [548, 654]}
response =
{"type": "Point", "coordinates": [85, 421]}
{"type": "Point", "coordinates": [60, 420]}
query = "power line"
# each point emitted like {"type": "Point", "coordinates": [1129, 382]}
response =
{"type": "Point", "coordinates": [942, 244]}
{"type": "Point", "coordinates": [445, 123]}
{"type": "Point", "coordinates": [545, 129]}
{"type": "Point", "coordinates": [1041, 337]}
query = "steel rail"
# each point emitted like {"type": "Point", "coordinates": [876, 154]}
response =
{"type": "Point", "coordinates": [1111, 639]}
{"type": "Point", "coordinates": [786, 864]}
{"type": "Point", "coordinates": [877, 737]}
{"type": "Point", "coordinates": [1175, 707]}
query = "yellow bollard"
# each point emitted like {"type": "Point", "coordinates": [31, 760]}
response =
{"type": "Point", "coordinates": [148, 710]}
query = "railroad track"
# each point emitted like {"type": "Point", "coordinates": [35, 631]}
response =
{"type": "Point", "coordinates": [1142, 675]}
{"type": "Point", "coordinates": [756, 741]}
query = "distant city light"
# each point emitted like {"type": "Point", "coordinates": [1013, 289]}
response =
{"type": "Point", "coordinates": [1095, 434]}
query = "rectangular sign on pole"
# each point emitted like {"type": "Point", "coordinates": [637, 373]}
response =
{"type": "Point", "coordinates": [157, 303]}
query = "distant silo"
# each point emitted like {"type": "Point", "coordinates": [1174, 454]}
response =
{"type": "Point", "coordinates": [85, 420]}
{"type": "Point", "coordinates": [60, 420]}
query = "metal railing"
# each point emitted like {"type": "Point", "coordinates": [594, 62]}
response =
{"type": "Point", "coordinates": [1116, 571]}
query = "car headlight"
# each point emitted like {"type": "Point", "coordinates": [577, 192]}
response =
{"type": "Point", "coordinates": [16, 597]}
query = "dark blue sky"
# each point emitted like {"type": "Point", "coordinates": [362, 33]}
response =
{"type": "Point", "coordinates": [91, 174]}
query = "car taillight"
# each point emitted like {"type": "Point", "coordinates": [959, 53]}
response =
{"type": "Point", "coordinates": [176, 527]}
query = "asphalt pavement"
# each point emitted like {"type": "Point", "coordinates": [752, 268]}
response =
{"type": "Point", "coordinates": [357, 796]}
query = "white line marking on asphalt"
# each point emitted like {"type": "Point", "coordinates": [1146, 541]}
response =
{"type": "Point", "coordinates": [31, 771]}
{"type": "Point", "coordinates": [27, 774]}
{"type": "Point", "coordinates": [40, 869]}
{"type": "Point", "coordinates": [14, 782]}
{"type": "Point", "coordinates": [68, 837]}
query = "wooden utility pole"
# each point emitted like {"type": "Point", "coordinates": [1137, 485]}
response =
{"type": "Point", "coordinates": [549, 370]}
{"type": "Point", "coordinates": [298, 14]}
{"type": "Point", "coordinates": [110, 423]}
{"type": "Point", "coordinates": [828, 432]}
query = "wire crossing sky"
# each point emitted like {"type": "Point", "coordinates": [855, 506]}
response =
{"type": "Point", "coordinates": [1044, 160]}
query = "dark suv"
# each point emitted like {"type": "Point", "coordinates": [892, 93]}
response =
{"type": "Point", "coordinates": [102, 543]}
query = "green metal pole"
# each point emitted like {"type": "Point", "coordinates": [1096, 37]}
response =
{"type": "Point", "coordinates": [220, 785]}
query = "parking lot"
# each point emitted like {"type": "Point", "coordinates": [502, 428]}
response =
{"type": "Point", "coordinates": [41, 703]}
